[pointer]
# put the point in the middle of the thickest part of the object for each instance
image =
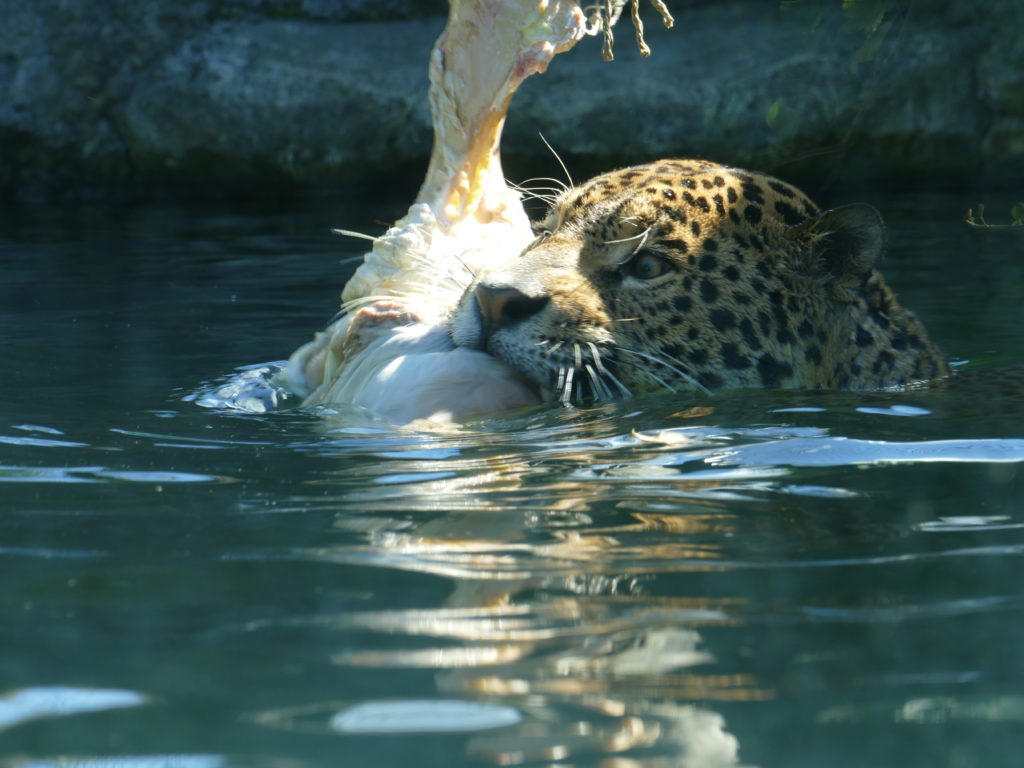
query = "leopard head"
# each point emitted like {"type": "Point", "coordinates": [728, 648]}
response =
{"type": "Point", "coordinates": [683, 274]}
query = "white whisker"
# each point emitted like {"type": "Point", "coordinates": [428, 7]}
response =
{"type": "Point", "coordinates": [567, 389]}
{"type": "Point", "coordinates": [626, 392]}
{"type": "Point", "coordinates": [595, 355]}
{"type": "Point", "coordinates": [357, 235]}
{"type": "Point", "coordinates": [601, 390]}
{"type": "Point", "coordinates": [559, 159]}
{"type": "Point", "coordinates": [642, 237]}
{"type": "Point", "coordinates": [668, 365]}
{"type": "Point", "coordinates": [562, 186]}
{"type": "Point", "coordinates": [659, 380]}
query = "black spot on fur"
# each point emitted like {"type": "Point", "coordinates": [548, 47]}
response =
{"type": "Point", "coordinates": [733, 358]}
{"type": "Point", "coordinates": [705, 183]}
{"type": "Point", "coordinates": [731, 273]}
{"type": "Point", "coordinates": [741, 298]}
{"type": "Point", "coordinates": [676, 214]}
{"type": "Point", "coordinates": [708, 262]}
{"type": "Point", "coordinates": [719, 205]}
{"type": "Point", "coordinates": [711, 244]}
{"type": "Point", "coordinates": [695, 228]}
{"type": "Point", "coordinates": [722, 319]}
{"type": "Point", "coordinates": [789, 214]}
{"type": "Point", "coordinates": [750, 335]}
{"type": "Point", "coordinates": [689, 183]}
{"type": "Point", "coordinates": [703, 204]}
{"type": "Point", "coordinates": [698, 356]}
{"type": "Point", "coordinates": [675, 245]}
{"type": "Point", "coordinates": [752, 213]}
{"type": "Point", "coordinates": [758, 285]}
{"type": "Point", "coordinates": [772, 371]}
{"type": "Point", "coordinates": [781, 188]}
{"type": "Point", "coordinates": [682, 303]}
{"type": "Point", "coordinates": [806, 330]}
{"type": "Point", "coordinates": [756, 243]}
{"type": "Point", "coordinates": [719, 181]}
{"type": "Point", "coordinates": [668, 193]}
{"type": "Point", "coordinates": [813, 354]}
{"type": "Point", "coordinates": [782, 320]}
{"type": "Point", "coordinates": [752, 192]}
{"type": "Point", "coordinates": [863, 338]}
{"type": "Point", "coordinates": [884, 360]}
{"type": "Point", "coordinates": [733, 216]}
{"type": "Point", "coordinates": [730, 193]}
{"type": "Point", "coordinates": [692, 333]}
{"type": "Point", "coordinates": [708, 291]}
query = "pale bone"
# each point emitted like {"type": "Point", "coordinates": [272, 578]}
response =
{"type": "Point", "coordinates": [465, 218]}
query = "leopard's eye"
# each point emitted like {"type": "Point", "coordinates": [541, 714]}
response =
{"type": "Point", "coordinates": [646, 266]}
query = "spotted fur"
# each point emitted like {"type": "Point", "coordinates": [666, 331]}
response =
{"type": "Point", "coordinates": [683, 274]}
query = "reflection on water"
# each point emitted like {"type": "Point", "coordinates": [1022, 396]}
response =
{"type": "Point", "coordinates": [760, 578]}
{"type": "Point", "coordinates": [34, 703]}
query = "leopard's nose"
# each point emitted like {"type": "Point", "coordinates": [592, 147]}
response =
{"type": "Point", "coordinates": [502, 306]}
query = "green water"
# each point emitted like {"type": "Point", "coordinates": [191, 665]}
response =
{"type": "Point", "coordinates": [772, 579]}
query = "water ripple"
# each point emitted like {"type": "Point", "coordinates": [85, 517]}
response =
{"type": "Point", "coordinates": [99, 474]}
{"type": "Point", "coordinates": [58, 701]}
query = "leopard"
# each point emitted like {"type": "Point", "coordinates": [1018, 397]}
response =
{"type": "Point", "coordinates": [684, 274]}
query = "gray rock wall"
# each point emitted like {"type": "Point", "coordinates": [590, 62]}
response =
{"type": "Point", "coordinates": [128, 97]}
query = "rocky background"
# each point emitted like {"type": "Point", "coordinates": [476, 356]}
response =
{"type": "Point", "coordinates": [141, 98]}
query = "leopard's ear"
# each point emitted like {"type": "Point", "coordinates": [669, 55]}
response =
{"type": "Point", "coordinates": [845, 243]}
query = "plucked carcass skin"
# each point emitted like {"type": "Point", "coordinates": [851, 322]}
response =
{"type": "Point", "coordinates": [391, 352]}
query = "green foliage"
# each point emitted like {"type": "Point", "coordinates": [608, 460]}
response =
{"type": "Point", "coordinates": [978, 219]}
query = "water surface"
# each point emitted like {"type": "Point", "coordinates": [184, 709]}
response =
{"type": "Point", "coordinates": [768, 578]}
